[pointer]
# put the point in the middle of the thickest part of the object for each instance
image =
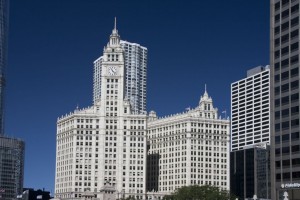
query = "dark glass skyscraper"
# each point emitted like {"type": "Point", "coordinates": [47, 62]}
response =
{"type": "Point", "coordinates": [11, 149]}
{"type": "Point", "coordinates": [285, 138]}
{"type": "Point", "coordinates": [3, 56]}
{"type": "Point", "coordinates": [250, 172]}
{"type": "Point", "coordinates": [11, 167]}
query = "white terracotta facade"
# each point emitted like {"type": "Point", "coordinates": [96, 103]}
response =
{"type": "Point", "coordinates": [105, 143]}
{"type": "Point", "coordinates": [190, 148]}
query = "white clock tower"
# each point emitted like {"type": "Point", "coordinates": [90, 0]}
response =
{"type": "Point", "coordinates": [103, 146]}
{"type": "Point", "coordinates": [113, 69]}
{"type": "Point", "coordinates": [123, 133]}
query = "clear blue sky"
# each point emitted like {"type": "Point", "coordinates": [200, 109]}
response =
{"type": "Point", "coordinates": [53, 43]}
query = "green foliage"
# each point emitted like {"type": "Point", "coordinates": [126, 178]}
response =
{"type": "Point", "coordinates": [169, 197]}
{"type": "Point", "coordinates": [196, 192]}
{"type": "Point", "coordinates": [128, 198]}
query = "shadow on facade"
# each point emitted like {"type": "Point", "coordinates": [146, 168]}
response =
{"type": "Point", "coordinates": [152, 172]}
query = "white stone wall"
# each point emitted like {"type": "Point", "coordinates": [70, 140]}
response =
{"type": "Point", "coordinates": [193, 148]}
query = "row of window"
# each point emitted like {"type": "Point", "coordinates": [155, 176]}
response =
{"type": "Point", "coordinates": [286, 75]}
{"type": "Point", "coordinates": [286, 13]}
{"type": "Point", "coordinates": [286, 63]}
{"type": "Point", "coordinates": [286, 87]}
{"type": "Point", "coordinates": [287, 100]}
{"type": "Point", "coordinates": [284, 39]}
{"type": "Point", "coordinates": [256, 79]}
{"type": "Point", "coordinates": [287, 137]}
{"type": "Point", "coordinates": [285, 26]}
{"type": "Point", "coordinates": [286, 125]}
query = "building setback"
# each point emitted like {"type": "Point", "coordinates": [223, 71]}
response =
{"type": "Point", "coordinates": [190, 148]}
{"type": "Point", "coordinates": [250, 109]}
{"type": "Point", "coordinates": [285, 138]}
{"type": "Point", "coordinates": [103, 145]}
{"type": "Point", "coordinates": [135, 61]}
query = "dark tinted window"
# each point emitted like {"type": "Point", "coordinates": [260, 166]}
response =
{"type": "Point", "coordinates": [294, 46]}
{"type": "Point", "coordinates": [294, 97]}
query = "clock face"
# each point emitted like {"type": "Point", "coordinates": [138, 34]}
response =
{"type": "Point", "coordinates": [112, 70]}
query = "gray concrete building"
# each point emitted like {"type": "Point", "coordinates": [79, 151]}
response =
{"type": "Point", "coordinates": [285, 138]}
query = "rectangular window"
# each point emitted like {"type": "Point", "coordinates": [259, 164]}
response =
{"type": "Point", "coordinates": [285, 100]}
{"type": "Point", "coordinates": [294, 59]}
{"type": "Point", "coordinates": [294, 33]}
{"type": "Point", "coordinates": [284, 63]}
{"type": "Point", "coordinates": [295, 122]}
{"type": "Point", "coordinates": [284, 38]}
{"type": "Point", "coordinates": [285, 26]}
{"type": "Point", "coordinates": [285, 125]}
{"type": "Point", "coordinates": [285, 75]}
{"type": "Point", "coordinates": [285, 137]}
{"type": "Point", "coordinates": [295, 8]}
{"type": "Point", "coordinates": [285, 14]}
{"type": "Point", "coordinates": [294, 72]}
{"type": "Point", "coordinates": [284, 51]}
{"type": "Point", "coordinates": [295, 21]}
{"type": "Point", "coordinates": [285, 87]}
{"type": "Point", "coordinates": [294, 97]}
{"type": "Point", "coordinates": [294, 46]}
{"type": "Point", "coordinates": [294, 84]}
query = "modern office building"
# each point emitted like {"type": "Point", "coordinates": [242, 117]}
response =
{"type": "Point", "coordinates": [250, 172]}
{"type": "Point", "coordinates": [135, 57]}
{"type": "Point", "coordinates": [190, 148]}
{"type": "Point", "coordinates": [11, 167]}
{"type": "Point", "coordinates": [3, 56]}
{"type": "Point", "coordinates": [250, 135]}
{"type": "Point", "coordinates": [250, 109]}
{"type": "Point", "coordinates": [285, 138]}
{"type": "Point", "coordinates": [105, 144]}
{"type": "Point", "coordinates": [97, 79]}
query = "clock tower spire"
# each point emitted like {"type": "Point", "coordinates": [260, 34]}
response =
{"type": "Point", "coordinates": [114, 37]}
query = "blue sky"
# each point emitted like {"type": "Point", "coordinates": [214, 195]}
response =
{"type": "Point", "coordinates": [53, 43]}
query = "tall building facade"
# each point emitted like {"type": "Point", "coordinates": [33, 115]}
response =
{"type": "Point", "coordinates": [285, 138]}
{"type": "Point", "coordinates": [250, 135]}
{"type": "Point", "coordinates": [103, 145]}
{"type": "Point", "coordinates": [97, 79]}
{"type": "Point", "coordinates": [11, 167]}
{"type": "Point", "coordinates": [11, 149]}
{"type": "Point", "coordinates": [3, 56]}
{"type": "Point", "coordinates": [135, 58]}
{"type": "Point", "coordinates": [190, 148]}
{"type": "Point", "coordinates": [250, 109]}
